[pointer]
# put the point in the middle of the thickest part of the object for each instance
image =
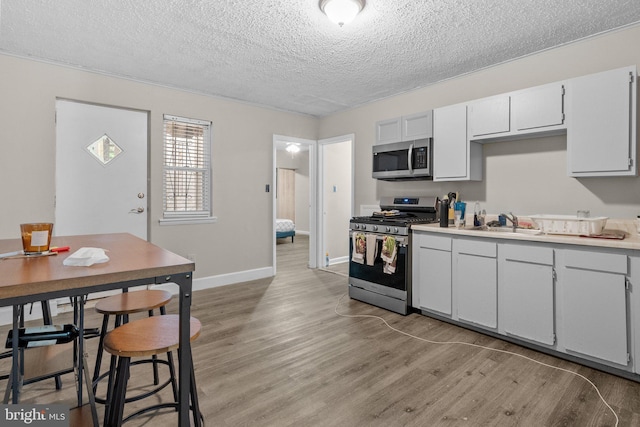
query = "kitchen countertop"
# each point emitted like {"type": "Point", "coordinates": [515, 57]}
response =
{"type": "Point", "coordinates": [631, 240]}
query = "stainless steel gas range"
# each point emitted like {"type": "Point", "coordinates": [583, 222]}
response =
{"type": "Point", "coordinates": [380, 251]}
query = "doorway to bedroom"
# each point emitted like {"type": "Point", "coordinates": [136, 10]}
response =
{"type": "Point", "coordinates": [294, 197]}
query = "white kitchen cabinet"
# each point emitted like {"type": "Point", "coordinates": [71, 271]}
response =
{"type": "Point", "coordinates": [489, 116]}
{"type": "Point", "coordinates": [593, 304]}
{"type": "Point", "coordinates": [601, 134]}
{"type": "Point", "coordinates": [432, 273]}
{"type": "Point", "coordinates": [538, 107]}
{"type": "Point", "coordinates": [475, 280]}
{"type": "Point", "coordinates": [405, 128]}
{"type": "Point", "coordinates": [526, 292]}
{"type": "Point", "coordinates": [388, 131]}
{"type": "Point", "coordinates": [417, 126]}
{"type": "Point", "coordinates": [455, 158]}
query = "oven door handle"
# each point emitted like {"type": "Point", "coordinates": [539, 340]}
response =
{"type": "Point", "coordinates": [401, 240]}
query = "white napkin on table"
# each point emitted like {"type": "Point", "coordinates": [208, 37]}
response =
{"type": "Point", "coordinates": [84, 257]}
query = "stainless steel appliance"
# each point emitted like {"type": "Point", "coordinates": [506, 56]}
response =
{"type": "Point", "coordinates": [372, 282]}
{"type": "Point", "coordinates": [402, 160]}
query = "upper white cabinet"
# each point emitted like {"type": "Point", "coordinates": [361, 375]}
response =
{"type": "Point", "coordinates": [602, 124]}
{"type": "Point", "coordinates": [538, 108]}
{"type": "Point", "coordinates": [489, 116]}
{"type": "Point", "coordinates": [389, 130]}
{"type": "Point", "coordinates": [455, 158]}
{"type": "Point", "coordinates": [417, 126]}
{"type": "Point", "coordinates": [527, 113]}
{"type": "Point", "coordinates": [405, 128]}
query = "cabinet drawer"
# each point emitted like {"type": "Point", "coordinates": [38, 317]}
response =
{"type": "Point", "coordinates": [476, 247]}
{"type": "Point", "coordinates": [612, 263]}
{"type": "Point", "coordinates": [529, 254]}
{"type": "Point", "coordinates": [430, 241]}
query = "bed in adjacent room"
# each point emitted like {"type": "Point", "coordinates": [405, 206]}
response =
{"type": "Point", "coordinates": [285, 228]}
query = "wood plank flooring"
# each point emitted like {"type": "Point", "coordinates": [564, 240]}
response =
{"type": "Point", "coordinates": [273, 352]}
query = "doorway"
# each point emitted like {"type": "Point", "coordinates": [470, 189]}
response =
{"type": "Point", "coordinates": [294, 191]}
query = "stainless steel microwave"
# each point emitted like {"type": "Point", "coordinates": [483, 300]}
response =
{"type": "Point", "coordinates": [402, 160]}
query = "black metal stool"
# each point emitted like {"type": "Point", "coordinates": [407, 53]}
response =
{"type": "Point", "coordinates": [121, 306]}
{"type": "Point", "coordinates": [145, 338]}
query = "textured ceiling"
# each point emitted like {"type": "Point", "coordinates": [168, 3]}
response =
{"type": "Point", "coordinates": [286, 54]}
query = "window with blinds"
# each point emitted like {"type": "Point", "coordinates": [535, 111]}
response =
{"type": "Point", "coordinates": [187, 168]}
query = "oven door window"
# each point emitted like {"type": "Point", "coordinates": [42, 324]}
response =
{"type": "Point", "coordinates": [375, 274]}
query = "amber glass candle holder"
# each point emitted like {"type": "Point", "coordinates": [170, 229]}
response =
{"type": "Point", "coordinates": [36, 237]}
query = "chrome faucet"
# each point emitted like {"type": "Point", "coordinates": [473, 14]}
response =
{"type": "Point", "coordinates": [513, 219]}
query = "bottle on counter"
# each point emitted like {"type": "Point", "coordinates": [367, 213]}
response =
{"type": "Point", "coordinates": [43, 335]}
{"type": "Point", "coordinates": [444, 213]}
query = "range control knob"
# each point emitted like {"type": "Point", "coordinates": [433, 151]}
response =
{"type": "Point", "coordinates": [388, 229]}
{"type": "Point", "coordinates": [356, 226]}
{"type": "Point", "coordinates": [395, 229]}
{"type": "Point", "coordinates": [375, 228]}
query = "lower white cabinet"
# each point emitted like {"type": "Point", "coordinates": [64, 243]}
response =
{"type": "Point", "coordinates": [570, 299]}
{"type": "Point", "coordinates": [594, 304]}
{"type": "Point", "coordinates": [475, 281]}
{"type": "Point", "coordinates": [432, 273]}
{"type": "Point", "coordinates": [526, 286]}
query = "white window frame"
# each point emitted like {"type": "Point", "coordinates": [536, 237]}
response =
{"type": "Point", "coordinates": [188, 216]}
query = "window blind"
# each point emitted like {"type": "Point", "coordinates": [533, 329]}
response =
{"type": "Point", "coordinates": [187, 167]}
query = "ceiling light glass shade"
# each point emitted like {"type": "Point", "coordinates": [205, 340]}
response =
{"type": "Point", "coordinates": [341, 11]}
{"type": "Point", "coordinates": [293, 148]}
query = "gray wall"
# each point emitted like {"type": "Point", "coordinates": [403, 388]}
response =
{"type": "Point", "coordinates": [242, 159]}
{"type": "Point", "coordinates": [527, 176]}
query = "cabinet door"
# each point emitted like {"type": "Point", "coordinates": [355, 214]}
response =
{"type": "Point", "coordinates": [538, 107]}
{"type": "Point", "coordinates": [527, 301]}
{"type": "Point", "coordinates": [388, 131]}
{"type": "Point", "coordinates": [594, 313]}
{"type": "Point", "coordinates": [434, 280]}
{"type": "Point", "coordinates": [601, 128]}
{"type": "Point", "coordinates": [489, 116]}
{"type": "Point", "coordinates": [417, 126]}
{"type": "Point", "coordinates": [477, 290]}
{"type": "Point", "coordinates": [450, 153]}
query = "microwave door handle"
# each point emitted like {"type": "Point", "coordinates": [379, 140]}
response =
{"type": "Point", "coordinates": [410, 158]}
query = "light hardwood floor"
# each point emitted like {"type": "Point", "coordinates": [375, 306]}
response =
{"type": "Point", "coordinates": [273, 352]}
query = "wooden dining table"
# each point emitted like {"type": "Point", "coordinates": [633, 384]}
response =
{"type": "Point", "coordinates": [132, 262]}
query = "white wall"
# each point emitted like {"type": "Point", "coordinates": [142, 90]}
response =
{"type": "Point", "coordinates": [337, 195]}
{"type": "Point", "coordinates": [526, 176]}
{"type": "Point", "coordinates": [241, 240]}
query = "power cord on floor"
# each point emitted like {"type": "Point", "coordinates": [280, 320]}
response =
{"type": "Point", "coordinates": [473, 345]}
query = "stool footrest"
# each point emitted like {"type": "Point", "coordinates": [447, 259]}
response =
{"type": "Point", "coordinates": [141, 395]}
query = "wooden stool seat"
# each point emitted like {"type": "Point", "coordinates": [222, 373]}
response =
{"type": "Point", "coordinates": [145, 338]}
{"type": "Point", "coordinates": [133, 302]}
{"type": "Point", "coordinates": [120, 306]}
{"type": "Point", "coordinates": [149, 336]}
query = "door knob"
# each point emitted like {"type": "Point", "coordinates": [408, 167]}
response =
{"type": "Point", "coordinates": [137, 211]}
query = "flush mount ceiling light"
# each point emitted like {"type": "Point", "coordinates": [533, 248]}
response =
{"type": "Point", "coordinates": [341, 11]}
{"type": "Point", "coordinates": [293, 148]}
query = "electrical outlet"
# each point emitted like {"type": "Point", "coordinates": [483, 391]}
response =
{"type": "Point", "coordinates": [191, 257]}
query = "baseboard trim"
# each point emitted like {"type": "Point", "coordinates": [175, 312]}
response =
{"type": "Point", "coordinates": [222, 280]}
{"type": "Point", "coordinates": [6, 313]}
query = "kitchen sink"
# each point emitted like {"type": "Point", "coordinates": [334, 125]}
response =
{"type": "Point", "coordinates": [529, 231]}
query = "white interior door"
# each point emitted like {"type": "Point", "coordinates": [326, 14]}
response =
{"type": "Point", "coordinates": [101, 170]}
